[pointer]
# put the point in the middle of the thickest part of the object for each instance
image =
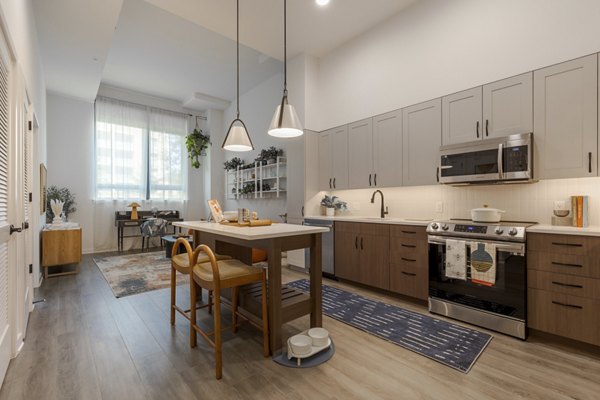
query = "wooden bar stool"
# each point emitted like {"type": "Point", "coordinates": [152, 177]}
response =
{"type": "Point", "coordinates": [181, 263]}
{"type": "Point", "coordinates": [225, 274]}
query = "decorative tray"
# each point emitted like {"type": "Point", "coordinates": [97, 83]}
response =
{"type": "Point", "coordinates": [314, 350]}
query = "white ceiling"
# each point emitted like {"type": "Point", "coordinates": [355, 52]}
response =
{"type": "Point", "coordinates": [183, 49]}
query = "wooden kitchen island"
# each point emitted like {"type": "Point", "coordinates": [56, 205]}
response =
{"type": "Point", "coordinates": [238, 243]}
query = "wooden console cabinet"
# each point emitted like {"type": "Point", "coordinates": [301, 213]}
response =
{"type": "Point", "coordinates": [563, 282]}
{"type": "Point", "coordinates": [61, 247]}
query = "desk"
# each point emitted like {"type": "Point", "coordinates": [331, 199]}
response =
{"type": "Point", "coordinates": [239, 241]}
{"type": "Point", "coordinates": [123, 220]}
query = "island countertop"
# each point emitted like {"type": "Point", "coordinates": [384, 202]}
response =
{"type": "Point", "coordinates": [251, 233]}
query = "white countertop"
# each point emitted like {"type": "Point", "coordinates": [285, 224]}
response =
{"type": "Point", "coordinates": [251, 233]}
{"type": "Point", "coordinates": [373, 220]}
{"type": "Point", "coordinates": [565, 230]}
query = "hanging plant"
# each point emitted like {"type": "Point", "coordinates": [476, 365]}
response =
{"type": "Point", "coordinates": [196, 143]}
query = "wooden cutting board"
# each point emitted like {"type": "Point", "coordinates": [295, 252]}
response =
{"type": "Point", "coordinates": [253, 222]}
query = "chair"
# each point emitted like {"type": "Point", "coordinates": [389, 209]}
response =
{"type": "Point", "coordinates": [181, 263]}
{"type": "Point", "coordinates": [225, 274]}
{"type": "Point", "coordinates": [153, 227]}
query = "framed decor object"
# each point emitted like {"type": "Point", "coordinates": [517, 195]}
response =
{"type": "Point", "coordinates": [43, 192]}
{"type": "Point", "coordinates": [215, 210]}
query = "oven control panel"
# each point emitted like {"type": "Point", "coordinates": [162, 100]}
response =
{"type": "Point", "coordinates": [503, 232]}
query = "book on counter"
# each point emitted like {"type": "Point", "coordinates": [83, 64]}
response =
{"type": "Point", "coordinates": [580, 211]}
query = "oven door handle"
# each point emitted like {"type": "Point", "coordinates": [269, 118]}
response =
{"type": "Point", "coordinates": [518, 248]}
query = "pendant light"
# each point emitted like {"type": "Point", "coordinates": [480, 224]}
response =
{"type": "Point", "coordinates": [237, 138]}
{"type": "Point", "coordinates": [285, 122]}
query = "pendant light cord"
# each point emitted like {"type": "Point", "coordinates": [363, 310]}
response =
{"type": "Point", "coordinates": [238, 58]}
{"type": "Point", "coordinates": [284, 48]}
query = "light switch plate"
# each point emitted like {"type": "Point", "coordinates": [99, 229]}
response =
{"type": "Point", "coordinates": [439, 207]}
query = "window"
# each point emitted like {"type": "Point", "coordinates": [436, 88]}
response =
{"type": "Point", "coordinates": [140, 152]}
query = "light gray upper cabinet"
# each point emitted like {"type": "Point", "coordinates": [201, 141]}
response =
{"type": "Point", "coordinates": [387, 149]}
{"type": "Point", "coordinates": [461, 116]}
{"type": "Point", "coordinates": [360, 154]}
{"type": "Point", "coordinates": [565, 119]}
{"type": "Point", "coordinates": [421, 140]}
{"type": "Point", "coordinates": [508, 106]}
{"type": "Point", "coordinates": [333, 158]}
{"type": "Point", "coordinates": [497, 109]}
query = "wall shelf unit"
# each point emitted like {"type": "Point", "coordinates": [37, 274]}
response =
{"type": "Point", "coordinates": [258, 182]}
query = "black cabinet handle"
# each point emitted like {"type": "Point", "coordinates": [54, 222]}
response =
{"type": "Point", "coordinates": [590, 162]}
{"type": "Point", "coordinates": [302, 211]}
{"type": "Point", "coordinates": [477, 128]}
{"type": "Point", "coordinates": [567, 265]}
{"type": "Point", "coordinates": [410, 246]}
{"type": "Point", "coordinates": [408, 273]}
{"type": "Point", "coordinates": [361, 243]}
{"type": "Point", "coordinates": [369, 179]}
{"type": "Point", "coordinates": [375, 179]}
{"type": "Point", "coordinates": [409, 232]}
{"type": "Point", "coordinates": [487, 123]}
{"type": "Point", "coordinates": [408, 259]}
{"type": "Point", "coordinates": [567, 285]}
{"type": "Point", "coordinates": [566, 305]}
{"type": "Point", "coordinates": [567, 244]}
{"type": "Point", "coordinates": [329, 183]}
{"type": "Point", "coordinates": [334, 183]}
{"type": "Point", "coordinates": [437, 174]}
{"type": "Point", "coordinates": [356, 242]}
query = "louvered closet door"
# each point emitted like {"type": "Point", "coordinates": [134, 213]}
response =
{"type": "Point", "coordinates": [5, 158]}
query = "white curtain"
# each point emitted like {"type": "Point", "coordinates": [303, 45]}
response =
{"type": "Point", "coordinates": [121, 150]}
{"type": "Point", "coordinates": [168, 155]}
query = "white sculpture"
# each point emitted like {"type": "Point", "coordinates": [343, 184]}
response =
{"type": "Point", "coordinates": [57, 209]}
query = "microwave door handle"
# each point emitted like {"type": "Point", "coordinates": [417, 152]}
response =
{"type": "Point", "coordinates": [500, 161]}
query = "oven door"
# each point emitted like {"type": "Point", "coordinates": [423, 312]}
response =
{"type": "Point", "coordinates": [507, 297]}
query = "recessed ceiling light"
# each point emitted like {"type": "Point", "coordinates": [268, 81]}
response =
{"type": "Point", "coordinates": [322, 2]}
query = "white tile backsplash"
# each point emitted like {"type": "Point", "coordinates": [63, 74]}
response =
{"type": "Point", "coordinates": [523, 202]}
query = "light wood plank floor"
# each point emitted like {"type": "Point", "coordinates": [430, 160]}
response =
{"type": "Point", "coordinates": [83, 343]}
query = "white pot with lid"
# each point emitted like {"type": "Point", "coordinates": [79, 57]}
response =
{"type": "Point", "coordinates": [486, 214]}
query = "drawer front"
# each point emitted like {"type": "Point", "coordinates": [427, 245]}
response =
{"type": "Point", "coordinates": [409, 279]}
{"type": "Point", "coordinates": [352, 227]}
{"type": "Point", "coordinates": [405, 248]}
{"type": "Point", "coordinates": [408, 231]}
{"type": "Point", "coordinates": [374, 229]}
{"type": "Point", "coordinates": [565, 284]}
{"type": "Point", "coordinates": [586, 266]}
{"type": "Point", "coordinates": [569, 316]}
{"type": "Point", "coordinates": [563, 244]}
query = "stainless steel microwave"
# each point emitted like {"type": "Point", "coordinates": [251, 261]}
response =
{"type": "Point", "coordinates": [502, 160]}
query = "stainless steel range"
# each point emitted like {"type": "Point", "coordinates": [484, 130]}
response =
{"type": "Point", "coordinates": [478, 274]}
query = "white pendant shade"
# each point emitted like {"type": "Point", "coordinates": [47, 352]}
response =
{"type": "Point", "coordinates": [290, 123]}
{"type": "Point", "coordinates": [237, 138]}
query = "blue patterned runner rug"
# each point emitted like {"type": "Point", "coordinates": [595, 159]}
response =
{"type": "Point", "coordinates": [450, 344]}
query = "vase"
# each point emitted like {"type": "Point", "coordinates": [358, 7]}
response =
{"type": "Point", "coordinates": [330, 212]}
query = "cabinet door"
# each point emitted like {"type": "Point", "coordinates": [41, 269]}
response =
{"type": "Point", "coordinates": [339, 158]}
{"type": "Point", "coordinates": [387, 149]}
{"type": "Point", "coordinates": [508, 106]}
{"type": "Point", "coordinates": [565, 119]}
{"type": "Point", "coordinates": [325, 160]}
{"type": "Point", "coordinates": [461, 117]}
{"type": "Point", "coordinates": [347, 241]}
{"type": "Point", "coordinates": [295, 185]}
{"type": "Point", "coordinates": [421, 140]}
{"type": "Point", "coordinates": [360, 154]}
{"type": "Point", "coordinates": [375, 255]}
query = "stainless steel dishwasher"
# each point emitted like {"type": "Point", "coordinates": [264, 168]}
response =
{"type": "Point", "coordinates": [327, 240]}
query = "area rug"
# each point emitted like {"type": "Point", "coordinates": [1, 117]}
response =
{"type": "Point", "coordinates": [450, 344]}
{"type": "Point", "coordinates": [137, 273]}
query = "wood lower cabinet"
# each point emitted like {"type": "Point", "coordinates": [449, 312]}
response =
{"type": "Point", "coordinates": [362, 253]}
{"type": "Point", "coordinates": [61, 247]}
{"type": "Point", "coordinates": [563, 279]}
{"type": "Point", "coordinates": [409, 261]}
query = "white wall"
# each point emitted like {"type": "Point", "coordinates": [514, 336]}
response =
{"type": "Point", "coordinates": [437, 47]}
{"type": "Point", "coordinates": [257, 107]}
{"type": "Point", "coordinates": [17, 21]}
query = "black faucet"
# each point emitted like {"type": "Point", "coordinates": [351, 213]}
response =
{"type": "Point", "coordinates": [383, 213]}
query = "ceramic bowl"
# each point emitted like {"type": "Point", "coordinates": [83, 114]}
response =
{"type": "Point", "coordinates": [301, 344]}
{"type": "Point", "coordinates": [561, 213]}
{"type": "Point", "coordinates": [319, 336]}
{"type": "Point", "coordinates": [230, 215]}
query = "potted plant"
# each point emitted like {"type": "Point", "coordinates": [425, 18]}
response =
{"type": "Point", "coordinates": [269, 156]}
{"type": "Point", "coordinates": [231, 165]}
{"type": "Point", "coordinates": [64, 195]}
{"type": "Point", "coordinates": [332, 203]}
{"type": "Point", "coordinates": [196, 143]}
